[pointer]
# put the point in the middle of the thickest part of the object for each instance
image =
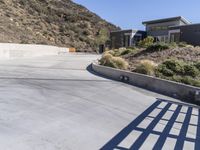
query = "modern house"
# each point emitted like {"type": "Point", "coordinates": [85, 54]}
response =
{"type": "Point", "coordinates": [175, 29]}
{"type": "Point", "coordinates": [160, 29]}
{"type": "Point", "coordinates": [126, 38]}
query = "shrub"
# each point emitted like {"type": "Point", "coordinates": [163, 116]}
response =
{"type": "Point", "coordinates": [86, 32]}
{"type": "Point", "coordinates": [163, 70]}
{"type": "Point", "coordinates": [177, 78]}
{"type": "Point", "coordinates": [173, 45]}
{"type": "Point", "coordinates": [127, 51]}
{"type": "Point", "coordinates": [120, 63]}
{"type": "Point", "coordinates": [102, 36]}
{"type": "Point", "coordinates": [115, 52]}
{"type": "Point", "coordinates": [158, 47]}
{"type": "Point", "coordinates": [121, 51]}
{"type": "Point", "coordinates": [106, 60]}
{"type": "Point", "coordinates": [179, 71]}
{"type": "Point", "coordinates": [112, 52]}
{"type": "Point", "coordinates": [174, 65]}
{"type": "Point", "coordinates": [132, 48]}
{"type": "Point", "coordinates": [197, 65]}
{"type": "Point", "coordinates": [182, 44]}
{"type": "Point", "coordinates": [191, 70]}
{"type": "Point", "coordinates": [146, 42]}
{"type": "Point", "coordinates": [191, 81]}
{"type": "Point", "coordinates": [114, 62]}
{"type": "Point", "coordinates": [178, 67]}
{"type": "Point", "coordinates": [146, 67]}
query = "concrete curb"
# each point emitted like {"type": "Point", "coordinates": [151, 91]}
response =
{"type": "Point", "coordinates": [166, 87]}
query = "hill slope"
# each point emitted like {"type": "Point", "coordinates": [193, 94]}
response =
{"type": "Point", "coordinates": [54, 22]}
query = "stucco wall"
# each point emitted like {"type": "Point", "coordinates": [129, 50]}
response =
{"type": "Point", "coordinates": [8, 50]}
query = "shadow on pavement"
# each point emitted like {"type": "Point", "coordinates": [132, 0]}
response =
{"type": "Point", "coordinates": [165, 124]}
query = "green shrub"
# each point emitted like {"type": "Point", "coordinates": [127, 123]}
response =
{"type": "Point", "coordinates": [191, 81]}
{"type": "Point", "coordinates": [179, 71]}
{"type": "Point", "coordinates": [158, 47]}
{"type": "Point", "coordinates": [197, 65]}
{"type": "Point", "coordinates": [173, 45]}
{"type": "Point", "coordinates": [146, 67]}
{"type": "Point", "coordinates": [191, 70]}
{"type": "Point", "coordinates": [174, 65]}
{"type": "Point", "coordinates": [122, 51]}
{"type": "Point", "coordinates": [182, 44]}
{"type": "Point", "coordinates": [127, 51]}
{"type": "Point", "coordinates": [163, 70]}
{"type": "Point", "coordinates": [146, 42]}
{"type": "Point", "coordinates": [114, 62]}
{"type": "Point", "coordinates": [132, 48]}
{"type": "Point", "coordinates": [177, 78]}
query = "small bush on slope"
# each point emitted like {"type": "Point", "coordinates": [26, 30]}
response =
{"type": "Point", "coordinates": [158, 47]}
{"type": "Point", "coordinates": [146, 42]}
{"type": "Point", "coordinates": [114, 62]}
{"type": "Point", "coordinates": [146, 67]}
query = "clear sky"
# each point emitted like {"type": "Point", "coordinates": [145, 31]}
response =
{"type": "Point", "coordinates": [129, 14]}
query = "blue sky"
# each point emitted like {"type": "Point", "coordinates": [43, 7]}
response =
{"type": "Point", "coordinates": [129, 14]}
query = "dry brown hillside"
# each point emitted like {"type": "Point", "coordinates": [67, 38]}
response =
{"type": "Point", "coordinates": [54, 22]}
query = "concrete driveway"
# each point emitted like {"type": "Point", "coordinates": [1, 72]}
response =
{"type": "Point", "coordinates": [54, 103]}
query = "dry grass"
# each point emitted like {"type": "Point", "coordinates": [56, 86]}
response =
{"type": "Point", "coordinates": [114, 62]}
{"type": "Point", "coordinates": [146, 67]}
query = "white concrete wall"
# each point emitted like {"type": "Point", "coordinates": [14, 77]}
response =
{"type": "Point", "coordinates": [8, 51]}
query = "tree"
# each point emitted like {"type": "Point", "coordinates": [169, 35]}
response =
{"type": "Point", "coordinates": [102, 37]}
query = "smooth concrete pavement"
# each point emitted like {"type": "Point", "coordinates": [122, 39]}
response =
{"type": "Point", "coordinates": [55, 103]}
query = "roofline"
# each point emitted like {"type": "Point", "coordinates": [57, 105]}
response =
{"type": "Point", "coordinates": [167, 19]}
{"type": "Point", "coordinates": [126, 30]}
{"type": "Point", "coordinates": [185, 25]}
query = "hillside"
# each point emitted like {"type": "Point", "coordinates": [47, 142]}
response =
{"type": "Point", "coordinates": [53, 22]}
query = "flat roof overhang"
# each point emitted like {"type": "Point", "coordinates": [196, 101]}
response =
{"type": "Point", "coordinates": [130, 30]}
{"type": "Point", "coordinates": [166, 20]}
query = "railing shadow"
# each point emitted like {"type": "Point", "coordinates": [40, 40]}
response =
{"type": "Point", "coordinates": [189, 131]}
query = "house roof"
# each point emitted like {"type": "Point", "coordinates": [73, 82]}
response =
{"type": "Point", "coordinates": [166, 20]}
{"type": "Point", "coordinates": [128, 30]}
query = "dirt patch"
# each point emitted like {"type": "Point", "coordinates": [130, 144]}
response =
{"type": "Point", "coordinates": [189, 54]}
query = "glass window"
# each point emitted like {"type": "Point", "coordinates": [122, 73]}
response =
{"type": "Point", "coordinates": [156, 28]}
{"type": "Point", "coordinates": [175, 37]}
{"type": "Point", "coordinates": [162, 39]}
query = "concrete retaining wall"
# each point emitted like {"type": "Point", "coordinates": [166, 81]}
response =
{"type": "Point", "coordinates": [169, 88]}
{"type": "Point", "coordinates": [8, 50]}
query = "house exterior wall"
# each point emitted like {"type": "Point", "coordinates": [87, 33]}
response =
{"type": "Point", "coordinates": [117, 38]}
{"type": "Point", "coordinates": [125, 38]}
{"type": "Point", "coordinates": [189, 34]}
{"type": "Point", "coordinates": [153, 29]}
